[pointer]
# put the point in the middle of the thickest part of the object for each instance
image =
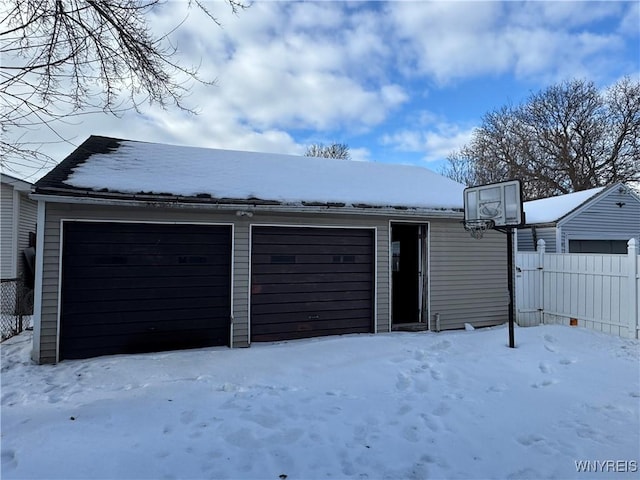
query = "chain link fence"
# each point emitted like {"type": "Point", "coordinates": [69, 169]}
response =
{"type": "Point", "coordinates": [16, 307]}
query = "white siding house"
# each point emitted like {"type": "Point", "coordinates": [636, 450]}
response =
{"type": "Point", "coordinates": [17, 232]}
{"type": "Point", "coordinates": [599, 220]}
{"type": "Point", "coordinates": [18, 221]}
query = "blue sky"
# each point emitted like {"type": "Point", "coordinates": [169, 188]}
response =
{"type": "Point", "coordinates": [400, 82]}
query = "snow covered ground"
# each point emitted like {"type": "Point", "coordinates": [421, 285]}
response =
{"type": "Point", "coordinates": [401, 405]}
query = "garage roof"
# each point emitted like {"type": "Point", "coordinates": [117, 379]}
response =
{"type": "Point", "coordinates": [107, 166]}
{"type": "Point", "coordinates": [552, 209]}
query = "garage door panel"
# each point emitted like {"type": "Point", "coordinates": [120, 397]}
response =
{"type": "Point", "coordinates": [143, 305]}
{"type": "Point", "coordinates": [125, 248]}
{"type": "Point", "coordinates": [341, 315]}
{"type": "Point", "coordinates": [293, 278]}
{"type": "Point", "coordinates": [312, 297]}
{"type": "Point", "coordinates": [89, 233]}
{"type": "Point", "coordinates": [156, 258]}
{"type": "Point", "coordinates": [287, 249]}
{"type": "Point", "coordinates": [311, 322]}
{"type": "Point", "coordinates": [144, 287]}
{"type": "Point", "coordinates": [79, 285]}
{"type": "Point", "coordinates": [180, 295]}
{"type": "Point", "coordinates": [141, 343]}
{"type": "Point", "coordinates": [300, 237]}
{"type": "Point", "coordinates": [326, 327]}
{"type": "Point", "coordinates": [309, 280]}
{"type": "Point", "coordinates": [129, 273]}
{"type": "Point", "coordinates": [202, 325]}
{"type": "Point", "coordinates": [302, 287]}
{"type": "Point", "coordinates": [300, 334]}
{"type": "Point", "coordinates": [182, 316]}
{"type": "Point", "coordinates": [331, 258]}
{"type": "Point", "coordinates": [314, 268]}
{"type": "Point", "coordinates": [309, 307]}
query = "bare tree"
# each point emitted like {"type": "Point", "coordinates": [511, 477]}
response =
{"type": "Point", "coordinates": [460, 169]}
{"type": "Point", "coordinates": [566, 138]}
{"type": "Point", "coordinates": [334, 150]}
{"type": "Point", "coordinates": [65, 58]}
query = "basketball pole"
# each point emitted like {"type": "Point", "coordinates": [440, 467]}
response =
{"type": "Point", "coordinates": [509, 231]}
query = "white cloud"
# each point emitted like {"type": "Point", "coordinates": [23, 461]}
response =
{"type": "Point", "coordinates": [561, 15]}
{"type": "Point", "coordinates": [459, 40]}
{"type": "Point", "coordinates": [360, 154]}
{"type": "Point", "coordinates": [630, 23]}
{"type": "Point", "coordinates": [297, 65]}
{"type": "Point", "coordinates": [348, 67]}
{"type": "Point", "coordinates": [434, 138]}
{"type": "Point", "coordinates": [553, 56]}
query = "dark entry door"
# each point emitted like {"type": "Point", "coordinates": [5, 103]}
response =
{"type": "Point", "coordinates": [129, 288]}
{"type": "Point", "coordinates": [308, 282]}
{"type": "Point", "coordinates": [405, 265]}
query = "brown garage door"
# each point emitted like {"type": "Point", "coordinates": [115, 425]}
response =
{"type": "Point", "coordinates": [129, 288]}
{"type": "Point", "coordinates": [308, 282]}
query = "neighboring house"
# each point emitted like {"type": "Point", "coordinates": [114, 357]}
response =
{"type": "Point", "coordinates": [17, 234]}
{"type": "Point", "coordinates": [145, 247]}
{"type": "Point", "coordinates": [18, 224]}
{"type": "Point", "coordinates": [599, 220]}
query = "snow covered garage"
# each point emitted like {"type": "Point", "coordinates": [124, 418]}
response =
{"type": "Point", "coordinates": [147, 247]}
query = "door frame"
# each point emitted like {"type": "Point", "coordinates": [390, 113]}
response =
{"type": "Point", "coordinates": [424, 270]}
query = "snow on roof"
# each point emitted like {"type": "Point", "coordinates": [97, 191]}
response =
{"type": "Point", "coordinates": [547, 210]}
{"type": "Point", "coordinates": [136, 167]}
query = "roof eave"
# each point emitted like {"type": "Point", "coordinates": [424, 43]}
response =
{"type": "Point", "coordinates": [58, 195]}
{"type": "Point", "coordinates": [17, 183]}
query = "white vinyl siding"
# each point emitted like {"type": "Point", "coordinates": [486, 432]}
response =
{"type": "Point", "coordinates": [240, 301]}
{"type": "Point", "coordinates": [7, 232]}
{"type": "Point", "coordinates": [525, 240]}
{"type": "Point", "coordinates": [605, 219]}
{"type": "Point", "coordinates": [26, 225]}
{"type": "Point", "coordinates": [468, 276]}
{"type": "Point", "coordinates": [17, 218]}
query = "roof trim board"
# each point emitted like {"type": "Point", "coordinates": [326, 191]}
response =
{"type": "Point", "coordinates": [456, 214]}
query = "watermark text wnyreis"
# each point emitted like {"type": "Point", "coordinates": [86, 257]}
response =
{"type": "Point", "coordinates": [606, 466]}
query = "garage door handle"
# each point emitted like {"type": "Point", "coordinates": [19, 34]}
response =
{"type": "Point", "coordinates": [313, 317]}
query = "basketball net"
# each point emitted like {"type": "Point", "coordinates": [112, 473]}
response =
{"type": "Point", "coordinates": [477, 227]}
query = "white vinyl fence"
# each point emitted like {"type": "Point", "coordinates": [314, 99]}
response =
{"type": "Point", "coordinates": [596, 291]}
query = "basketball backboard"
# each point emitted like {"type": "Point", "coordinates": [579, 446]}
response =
{"type": "Point", "coordinates": [500, 203]}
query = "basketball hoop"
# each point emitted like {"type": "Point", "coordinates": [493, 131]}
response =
{"type": "Point", "coordinates": [497, 206]}
{"type": "Point", "coordinates": [499, 203]}
{"type": "Point", "coordinates": [477, 227]}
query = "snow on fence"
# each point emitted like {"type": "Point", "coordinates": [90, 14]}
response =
{"type": "Point", "coordinates": [597, 291]}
